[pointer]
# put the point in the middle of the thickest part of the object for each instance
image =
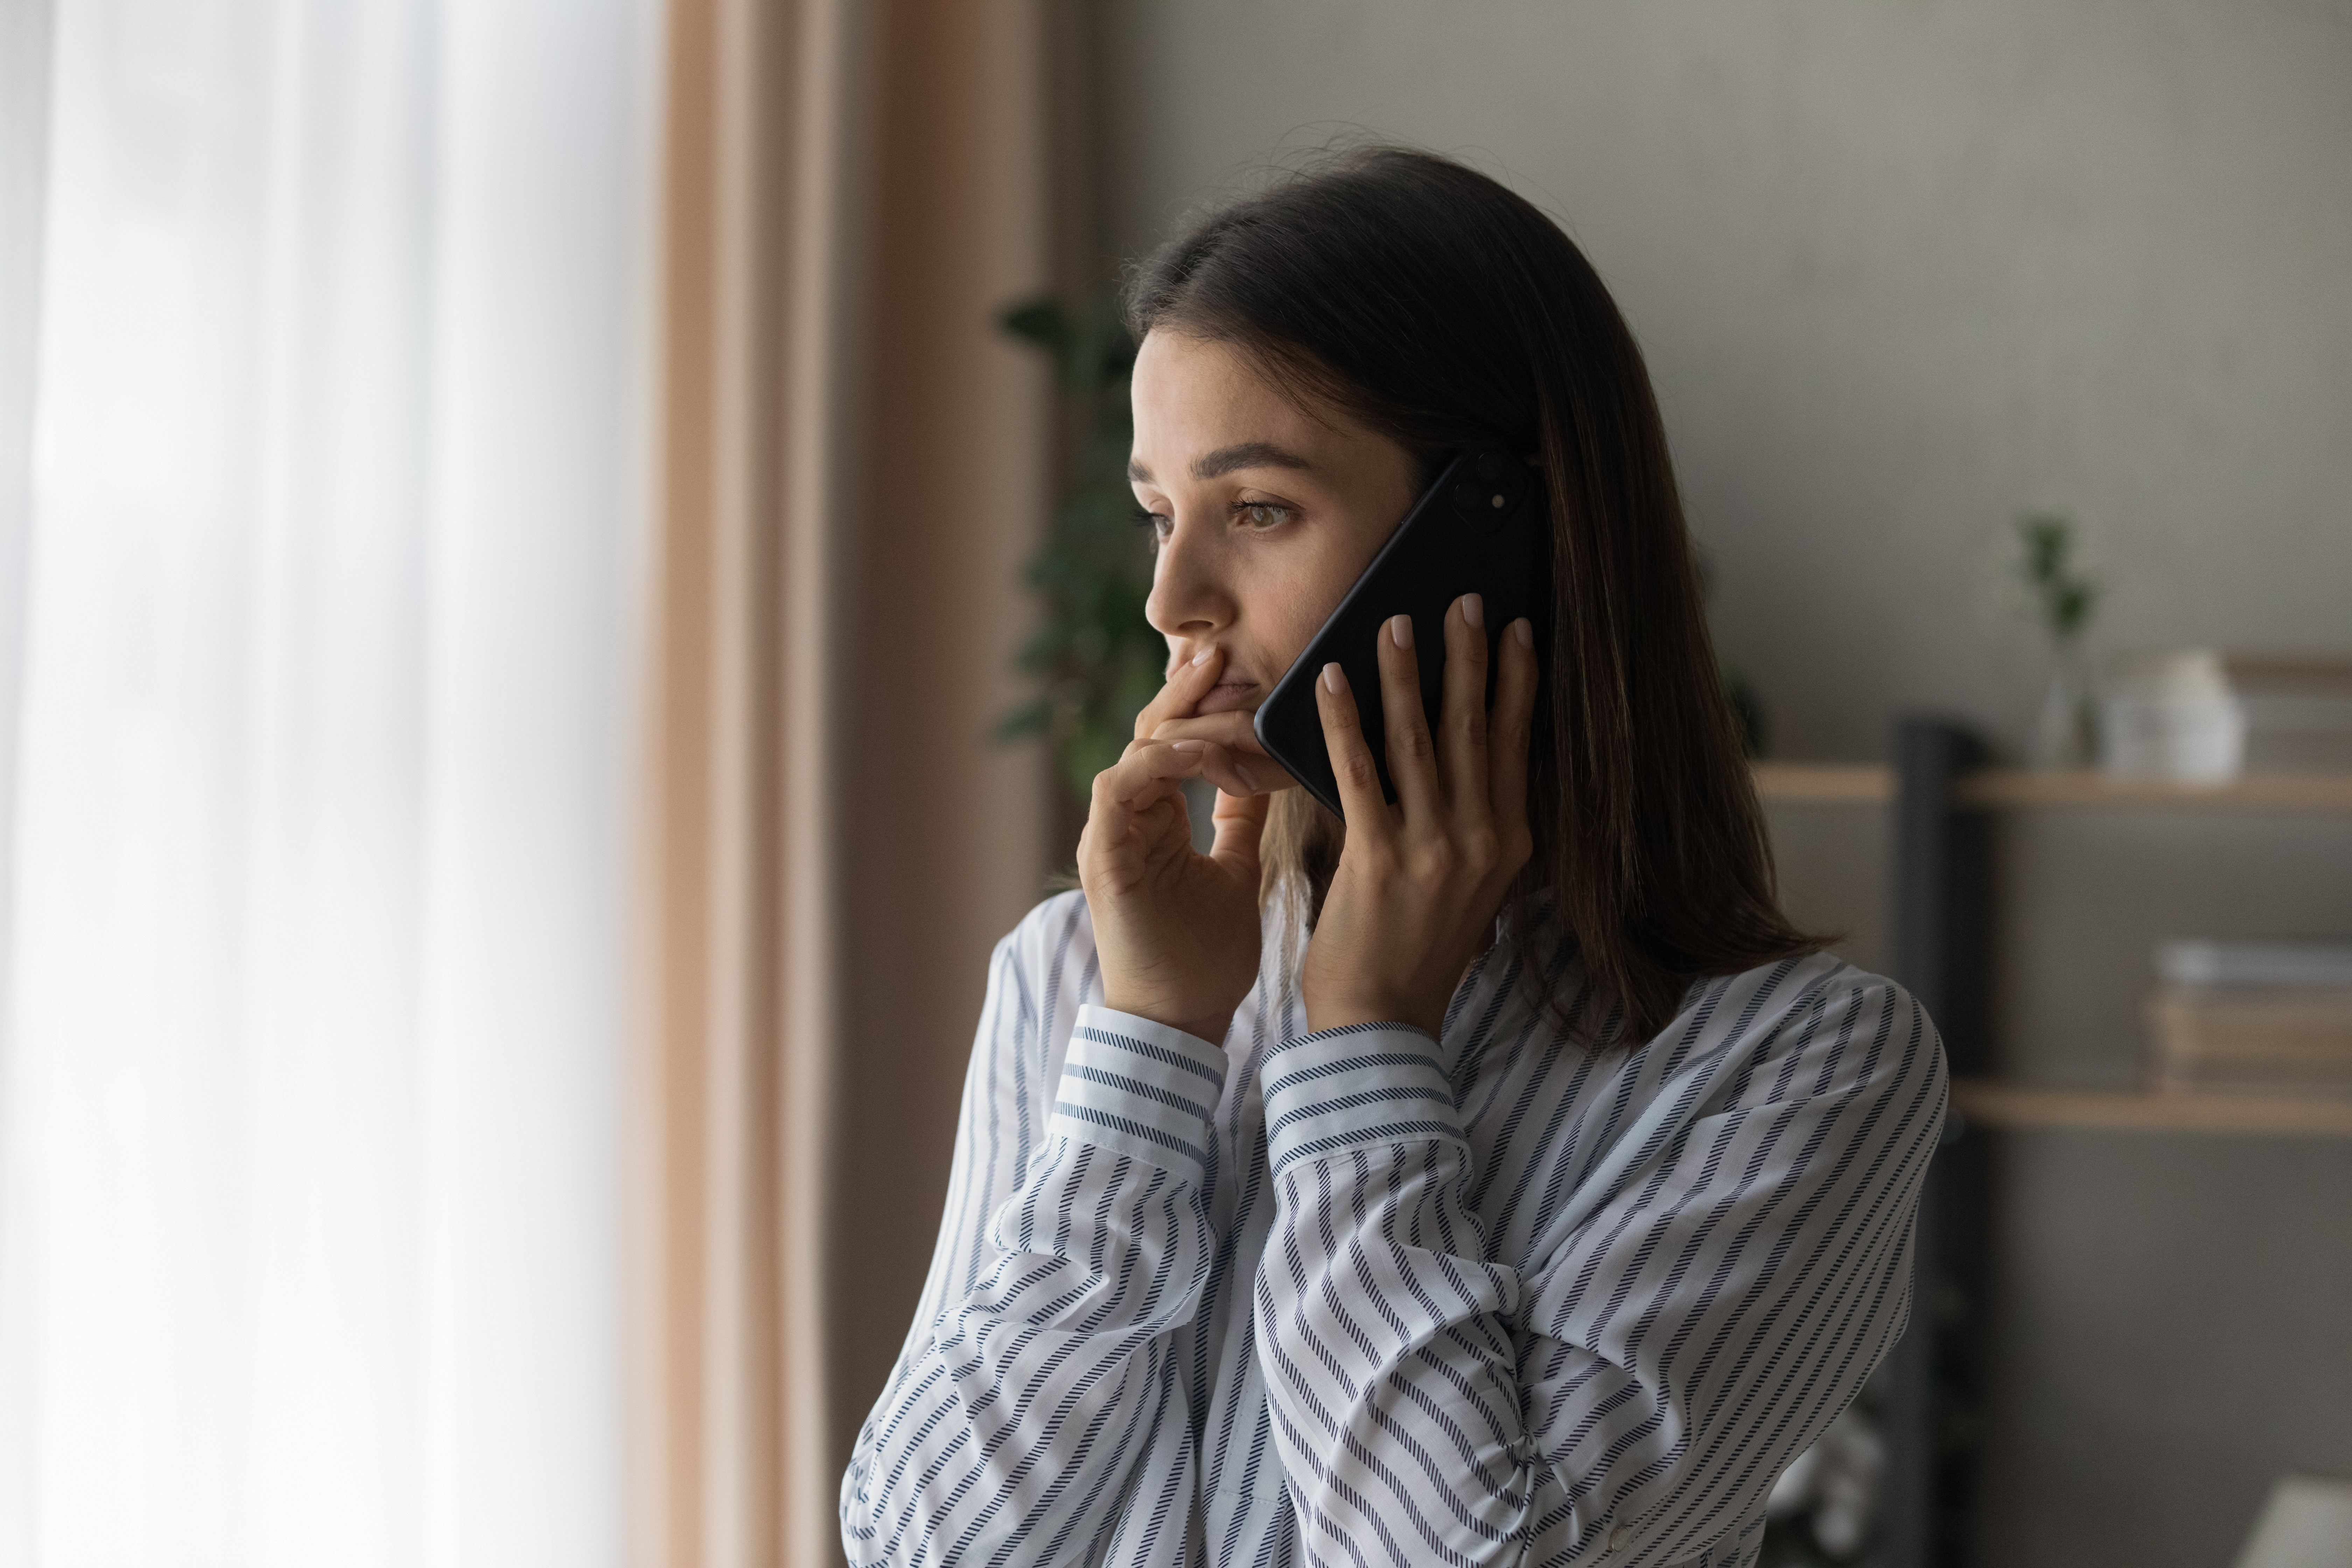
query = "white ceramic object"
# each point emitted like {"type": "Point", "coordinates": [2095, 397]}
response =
{"type": "Point", "coordinates": [2307, 1523]}
{"type": "Point", "coordinates": [2173, 716]}
{"type": "Point", "coordinates": [2206, 961]}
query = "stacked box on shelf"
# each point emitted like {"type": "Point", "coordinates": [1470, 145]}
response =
{"type": "Point", "coordinates": [2298, 711]}
{"type": "Point", "coordinates": [2252, 1017]}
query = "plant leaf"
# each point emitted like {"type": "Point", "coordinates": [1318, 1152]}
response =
{"type": "Point", "coordinates": [1040, 321]}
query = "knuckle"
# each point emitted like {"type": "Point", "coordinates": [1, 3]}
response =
{"type": "Point", "coordinates": [1357, 770]}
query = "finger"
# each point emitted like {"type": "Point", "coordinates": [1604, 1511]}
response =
{"type": "Point", "coordinates": [1187, 684]}
{"type": "Point", "coordinates": [1240, 822]}
{"type": "Point", "coordinates": [1463, 756]}
{"type": "Point", "coordinates": [1231, 728]}
{"type": "Point", "coordinates": [1231, 732]}
{"type": "Point", "coordinates": [1360, 802]}
{"type": "Point", "coordinates": [1220, 766]}
{"type": "Point", "coordinates": [1509, 730]}
{"type": "Point", "coordinates": [1145, 776]}
{"type": "Point", "coordinates": [1413, 762]}
{"type": "Point", "coordinates": [1150, 768]}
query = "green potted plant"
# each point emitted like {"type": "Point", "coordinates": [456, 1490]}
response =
{"type": "Point", "coordinates": [2063, 733]}
{"type": "Point", "coordinates": [1096, 659]}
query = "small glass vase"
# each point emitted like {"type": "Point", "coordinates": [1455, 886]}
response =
{"type": "Point", "coordinates": [2064, 733]}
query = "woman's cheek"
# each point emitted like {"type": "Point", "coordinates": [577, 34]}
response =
{"type": "Point", "coordinates": [1293, 636]}
{"type": "Point", "coordinates": [1310, 602]}
{"type": "Point", "coordinates": [1289, 599]}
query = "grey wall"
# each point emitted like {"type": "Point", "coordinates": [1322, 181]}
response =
{"type": "Point", "coordinates": [1903, 268]}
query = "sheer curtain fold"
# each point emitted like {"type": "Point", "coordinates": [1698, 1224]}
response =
{"type": "Point", "coordinates": [23, 145]}
{"type": "Point", "coordinates": [309, 1129]}
{"type": "Point", "coordinates": [343, 1027]}
{"type": "Point", "coordinates": [854, 470]}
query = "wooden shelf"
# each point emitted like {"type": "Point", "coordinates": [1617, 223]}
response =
{"type": "Point", "coordinates": [1866, 783]}
{"type": "Point", "coordinates": [2255, 792]}
{"type": "Point", "coordinates": [1991, 1103]}
{"type": "Point", "coordinates": [1826, 784]}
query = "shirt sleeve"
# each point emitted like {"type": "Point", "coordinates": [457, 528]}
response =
{"type": "Point", "coordinates": [1721, 1285]}
{"type": "Point", "coordinates": [1020, 1415]}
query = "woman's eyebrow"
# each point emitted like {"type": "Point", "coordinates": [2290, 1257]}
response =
{"type": "Point", "coordinates": [1248, 455]}
{"type": "Point", "coordinates": [1227, 460]}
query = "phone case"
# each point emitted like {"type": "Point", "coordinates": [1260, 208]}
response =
{"type": "Point", "coordinates": [1482, 528]}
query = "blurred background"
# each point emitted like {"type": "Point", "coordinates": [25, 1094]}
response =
{"type": "Point", "coordinates": [559, 564]}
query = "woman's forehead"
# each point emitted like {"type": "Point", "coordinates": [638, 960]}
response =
{"type": "Point", "coordinates": [1199, 403]}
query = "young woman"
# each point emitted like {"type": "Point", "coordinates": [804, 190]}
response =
{"type": "Point", "coordinates": [1494, 1177]}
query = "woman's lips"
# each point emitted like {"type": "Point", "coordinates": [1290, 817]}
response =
{"type": "Point", "coordinates": [1227, 695]}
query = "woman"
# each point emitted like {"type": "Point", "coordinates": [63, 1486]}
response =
{"type": "Point", "coordinates": [1496, 1177]}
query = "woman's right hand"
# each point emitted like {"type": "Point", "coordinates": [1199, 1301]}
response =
{"type": "Point", "coordinates": [1176, 931]}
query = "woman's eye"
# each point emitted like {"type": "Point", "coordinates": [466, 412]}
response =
{"type": "Point", "coordinates": [1155, 523]}
{"type": "Point", "coordinates": [1261, 515]}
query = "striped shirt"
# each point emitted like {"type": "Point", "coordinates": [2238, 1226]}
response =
{"type": "Point", "coordinates": [1364, 1298]}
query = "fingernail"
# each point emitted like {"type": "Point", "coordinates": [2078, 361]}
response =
{"type": "Point", "coordinates": [1187, 745]}
{"type": "Point", "coordinates": [1333, 681]}
{"type": "Point", "coordinates": [1201, 658]}
{"type": "Point", "coordinates": [1401, 629]}
{"type": "Point", "coordinates": [1473, 609]}
{"type": "Point", "coordinates": [1249, 775]}
{"type": "Point", "coordinates": [1525, 631]}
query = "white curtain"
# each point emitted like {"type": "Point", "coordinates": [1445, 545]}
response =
{"type": "Point", "coordinates": [322, 663]}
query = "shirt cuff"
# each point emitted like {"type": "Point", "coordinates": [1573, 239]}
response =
{"type": "Point", "coordinates": [1141, 1089]}
{"type": "Point", "coordinates": [1365, 1086]}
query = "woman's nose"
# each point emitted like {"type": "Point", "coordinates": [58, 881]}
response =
{"type": "Point", "coordinates": [1190, 597]}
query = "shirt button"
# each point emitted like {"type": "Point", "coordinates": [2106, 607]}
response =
{"type": "Point", "coordinates": [1619, 1537]}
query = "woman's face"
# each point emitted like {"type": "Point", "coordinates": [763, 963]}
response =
{"type": "Point", "coordinates": [1265, 511]}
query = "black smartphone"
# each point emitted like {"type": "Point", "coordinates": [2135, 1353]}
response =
{"type": "Point", "coordinates": [1482, 528]}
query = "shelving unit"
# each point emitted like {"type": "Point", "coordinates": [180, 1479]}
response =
{"type": "Point", "coordinates": [1992, 1103]}
{"type": "Point", "coordinates": [1868, 783]}
{"type": "Point", "coordinates": [1825, 784]}
{"type": "Point", "coordinates": [1987, 1102]}
{"type": "Point", "coordinates": [1943, 798]}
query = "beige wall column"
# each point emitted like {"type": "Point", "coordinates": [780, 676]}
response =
{"type": "Point", "coordinates": [945, 831]}
{"type": "Point", "coordinates": [854, 467]}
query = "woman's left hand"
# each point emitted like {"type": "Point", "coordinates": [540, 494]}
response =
{"type": "Point", "coordinates": [1420, 882]}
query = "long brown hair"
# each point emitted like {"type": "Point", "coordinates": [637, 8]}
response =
{"type": "Point", "coordinates": [1439, 308]}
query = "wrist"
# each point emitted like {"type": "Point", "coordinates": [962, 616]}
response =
{"type": "Point", "coordinates": [1212, 1030]}
{"type": "Point", "coordinates": [1348, 1011]}
{"type": "Point", "coordinates": [1212, 1027]}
